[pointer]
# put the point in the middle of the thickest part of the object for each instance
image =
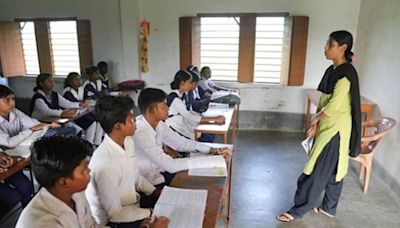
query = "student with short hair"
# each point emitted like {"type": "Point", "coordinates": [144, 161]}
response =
{"type": "Point", "coordinates": [115, 180]}
{"type": "Point", "coordinates": [152, 133]}
{"type": "Point", "coordinates": [15, 189]}
{"type": "Point", "coordinates": [73, 91]}
{"type": "Point", "coordinates": [93, 86]}
{"type": "Point", "coordinates": [180, 118]}
{"type": "Point", "coordinates": [60, 167]}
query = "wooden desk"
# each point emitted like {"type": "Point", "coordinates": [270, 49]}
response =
{"type": "Point", "coordinates": [231, 120]}
{"type": "Point", "coordinates": [216, 188]}
{"type": "Point", "coordinates": [313, 98]}
{"type": "Point", "coordinates": [18, 166]}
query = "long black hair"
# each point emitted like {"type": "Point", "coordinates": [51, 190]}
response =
{"type": "Point", "coordinates": [180, 76]}
{"type": "Point", "coordinates": [41, 78]}
{"type": "Point", "coordinates": [70, 77]}
{"type": "Point", "coordinates": [344, 37]}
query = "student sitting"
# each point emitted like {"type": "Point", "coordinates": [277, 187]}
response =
{"type": "Point", "coordinates": [15, 126]}
{"type": "Point", "coordinates": [73, 91]}
{"type": "Point", "coordinates": [207, 84]}
{"type": "Point", "coordinates": [14, 189]}
{"type": "Point", "coordinates": [115, 180]}
{"type": "Point", "coordinates": [180, 118]}
{"type": "Point", "coordinates": [60, 167]}
{"type": "Point", "coordinates": [45, 102]}
{"type": "Point", "coordinates": [93, 86]}
{"type": "Point", "coordinates": [152, 133]}
{"type": "Point", "coordinates": [197, 100]}
{"type": "Point", "coordinates": [103, 70]}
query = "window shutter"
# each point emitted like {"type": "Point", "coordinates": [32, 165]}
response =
{"type": "Point", "coordinates": [246, 48]}
{"type": "Point", "coordinates": [189, 41]}
{"type": "Point", "coordinates": [298, 50]}
{"type": "Point", "coordinates": [44, 46]}
{"type": "Point", "coordinates": [11, 53]}
{"type": "Point", "coordinates": [85, 44]}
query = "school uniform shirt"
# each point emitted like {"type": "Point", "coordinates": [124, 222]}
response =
{"type": "Point", "coordinates": [92, 89]}
{"type": "Point", "coordinates": [46, 210]}
{"type": "Point", "coordinates": [115, 181]}
{"type": "Point", "coordinates": [151, 157]}
{"type": "Point", "coordinates": [16, 129]}
{"type": "Point", "coordinates": [180, 119]}
{"type": "Point", "coordinates": [70, 94]}
{"type": "Point", "coordinates": [41, 109]}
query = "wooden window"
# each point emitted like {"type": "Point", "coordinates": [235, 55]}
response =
{"type": "Point", "coordinates": [265, 47]}
{"type": "Point", "coordinates": [11, 54]}
{"type": "Point", "coordinates": [55, 46]}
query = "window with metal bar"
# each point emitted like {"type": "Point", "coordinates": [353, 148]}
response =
{"type": "Point", "coordinates": [29, 47]}
{"type": "Point", "coordinates": [219, 46]}
{"type": "Point", "coordinates": [64, 45]}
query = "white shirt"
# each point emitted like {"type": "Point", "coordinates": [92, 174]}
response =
{"type": "Point", "coordinates": [77, 94]}
{"type": "Point", "coordinates": [181, 119]}
{"type": "Point", "coordinates": [45, 210]}
{"type": "Point", "coordinates": [114, 183]}
{"type": "Point", "coordinates": [41, 110]}
{"type": "Point", "coordinates": [16, 129]}
{"type": "Point", "coordinates": [151, 157]}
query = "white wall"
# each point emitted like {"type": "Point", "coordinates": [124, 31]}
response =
{"type": "Point", "coordinates": [378, 59]}
{"type": "Point", "coordinates": [115, 31]}
{"type": "Point", "coordinates": [325, 17]}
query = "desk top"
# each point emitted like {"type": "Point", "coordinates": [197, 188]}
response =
{"type": "Point", "coordinates": [215, 187]}
{"type": "Point", "coordinates": [19, 165]}
{"type": "Point", "coordinates": [215, 127]}
{"type": "Point", "coordinates": [314, 95]}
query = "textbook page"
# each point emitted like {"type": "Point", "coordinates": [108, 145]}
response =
{"type": "Point", "coordinates": [184, 207]}
{"type": "Point", "coordinates": [23, 149]}
{"type": "Point", "coordinates": [211, 166]}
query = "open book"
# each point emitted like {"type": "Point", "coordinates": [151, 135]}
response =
{"type": "Point", "coordinates": [211, 166]}
{"type": "Point", "coordinates": [23, 149]}
{"type": "Point", "coordinates": [184, 207]}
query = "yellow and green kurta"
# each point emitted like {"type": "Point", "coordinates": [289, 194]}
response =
{"type": "Point", "coordinates": [337, 106]}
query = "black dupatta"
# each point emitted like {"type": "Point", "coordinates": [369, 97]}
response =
{"type": "Point", "coordinates": [327, 86]}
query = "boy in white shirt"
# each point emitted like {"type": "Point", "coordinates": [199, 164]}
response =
{"type": "Point", "coordinates": [152, 132]}
{"type": "Point", "coordinates": [60, 167]}
{"type": "Point", "coordinates": [115, 181]}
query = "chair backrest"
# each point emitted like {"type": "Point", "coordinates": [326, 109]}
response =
{"type": "Point", "coordinates": [379, 128]}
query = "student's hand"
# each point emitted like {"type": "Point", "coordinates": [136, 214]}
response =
{"type": "Point", "coordinates": [159, 222]}
{"type": "Point", "coordinates": [171, 152]}
{"type": "Point", "coordinates": [224, 151]}
{"type": "Point", "coordinates": [38, 127]}
{"type": "Point", "coordinates": [5, 161]}
{"type": "Point", "coordinates": [55, 125]}
{"type": "Point", "coordinates": [68, 113]}
{"type": "Point", "coordinates": [220, 120]}
{"type": "Point", "coordinates": [85, 103]}
{"type": "Point", "coordinates": [156, 193]}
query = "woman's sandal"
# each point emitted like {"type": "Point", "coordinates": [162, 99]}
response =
{"type": "Point", "coordinates": [285, 217]}
{"type": "Point", "coordinates": [319, 210]}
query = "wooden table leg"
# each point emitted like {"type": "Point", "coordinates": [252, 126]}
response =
{"type": "Point", "coordinates": [226, 137]}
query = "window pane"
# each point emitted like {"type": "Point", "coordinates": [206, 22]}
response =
{"type": "Point", "coordinates": [268, 49]}
{"type": "Point", "coordinates": [29, 47]}
{"type": "Point", "coordinates": [219, 46]}
{"type": "Point", "coordinates": [64, 44]}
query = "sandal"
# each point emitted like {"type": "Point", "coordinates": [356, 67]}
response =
{"type": "Point", "coordinates": [285, 217]}
{"type": "Point", "coordinates": [319, 210]}
{"type": "Point", "coordinates": [315, 210]}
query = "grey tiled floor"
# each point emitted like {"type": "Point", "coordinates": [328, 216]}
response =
{"type": "Point", "coordinates": [266, 168]}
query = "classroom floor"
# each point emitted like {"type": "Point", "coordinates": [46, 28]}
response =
{"type": "Point", "coordinates": [266, 168]}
